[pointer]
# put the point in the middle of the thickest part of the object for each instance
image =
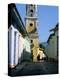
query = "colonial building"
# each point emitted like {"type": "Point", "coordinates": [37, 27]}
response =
{"type": "Point", "coordinates": [52, 47]}
{"type": "Point", "coordinates": [18, 40]}
{"type": "Point", "coordinates": [31, 27]}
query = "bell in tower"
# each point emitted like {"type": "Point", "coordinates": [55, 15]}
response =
{"type": "Point", "coordinates": [31, 28]}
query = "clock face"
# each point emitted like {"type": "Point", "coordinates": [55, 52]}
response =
{"type": "Point", "coordinates": [30, 25]}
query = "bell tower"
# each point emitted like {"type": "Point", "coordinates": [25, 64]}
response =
{"type": "Point", "coordinates": [31, 28]}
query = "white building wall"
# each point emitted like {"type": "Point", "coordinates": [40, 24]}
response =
{"type": "Point", "coordinates": [11, 46]}
{"type": "Point", "coordinates": [27, 45]}
{"type": "Point", "coordinates": [15, 46]}
{"type": "Point", "coordinates": [21, 45]}
{"type": "Point", "coordinates": [55, 46]}
{"type": "Point", "coordinates": [51, 49]}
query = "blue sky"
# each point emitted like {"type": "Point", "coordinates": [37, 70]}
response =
{"type": "Point", "coordinates": [47, 19]}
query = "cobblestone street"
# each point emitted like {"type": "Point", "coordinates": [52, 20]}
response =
{"type": "Point", "coordinates": [37, 68]}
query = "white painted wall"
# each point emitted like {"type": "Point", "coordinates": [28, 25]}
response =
{"type": "Point", "coordinates": [27, 45]}
{"type": "Point", "coordinates": [51, 49]}
{"type": "Point", "coordinates": [21, 45]}
{"type": "Point", "coordinates": [11, 45]}
{"type": "Point", "coordinates": [16, 47]}
{"type": "Point", "coordinates": [15, 43]}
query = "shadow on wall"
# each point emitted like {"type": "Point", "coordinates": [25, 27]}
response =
{"type": "Point", "coordinates": [26, 56]}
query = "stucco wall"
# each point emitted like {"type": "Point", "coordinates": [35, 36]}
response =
{"type": "Point", "coordinates": [51, 48]}
{"type": "Point", "coordinates": [16, 46]}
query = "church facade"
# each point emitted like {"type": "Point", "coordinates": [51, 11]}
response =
{"type": "Point", "coordinates": [31, 28]}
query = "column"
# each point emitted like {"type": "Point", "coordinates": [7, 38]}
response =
{"type": "Point", "coordinates": [16, 47]}
{"type": "Point", "coordinates": [11, 46]}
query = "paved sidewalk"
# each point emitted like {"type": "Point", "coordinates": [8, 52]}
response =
{"type": "Point", "coordinates": [36, 68]}
{"type": "Point", "coordinates": [19, 67]}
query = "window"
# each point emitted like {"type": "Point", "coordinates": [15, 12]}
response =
{"type": "Point", "coordinates": [31, 41]}
{"type": "Point", "coordinates": [31, 51]}
{"type": "Point", "coordinates": [31, 24]}
{"type": "Point", "coordinates": [31, 4]}
{"type": "Point", "coordinates": [38, 57]}
{"type": "Point", "coordinates": [31, 10]}
{"type": "Point", "coordinates": [31, 14]}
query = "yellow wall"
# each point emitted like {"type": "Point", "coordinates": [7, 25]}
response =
{"type": "Point", "coordinates": [33, 35]}
{"type": "Point", "coordinates": [35, 42]}
{"type": "Point", "coordinates": [35, 48]}
{"type": "Point", "coordinates": [35, 51]}
{"type": "Point", "coordinates": [28, 27]}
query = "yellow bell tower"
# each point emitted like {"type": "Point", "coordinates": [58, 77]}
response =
{"type": "Point", "coordinates": [31, 27]}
